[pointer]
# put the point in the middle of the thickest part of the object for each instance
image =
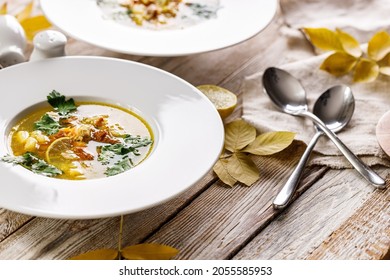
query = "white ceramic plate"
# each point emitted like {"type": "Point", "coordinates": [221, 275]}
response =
{"type": "Point", "coordinates": [236, 21]}
{"type": "Point", "coordinates": [188, 136]}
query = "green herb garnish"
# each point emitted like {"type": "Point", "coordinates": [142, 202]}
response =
{"type": "Point", "coordinates": [33, 163]}
{"type": "Point", "coordinates": [62, 106]}
{"type": "Point", "coordinates": [203, 11]}
{"type": "Point", "coordinates": [47, 124]}
{"type": "Point", "coordinates": [108, 152]}
{"type": "Point", "coordinates": [129, 145]}
{"type": "Point", "coordinates": [119, 167]}
{"type": "Point", "coordinates": [136, 141]}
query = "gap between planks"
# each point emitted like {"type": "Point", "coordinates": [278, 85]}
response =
{"type": "Point", "coordinates": [305, 229]}
{"type": "Point", "coordinates": [222, 220]}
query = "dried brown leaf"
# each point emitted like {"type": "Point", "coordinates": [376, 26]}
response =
{"type": "Point", "coordinates": [238, 134]}
{"type": "Point", "coordinates": [339, 63]}
{"type": "Point", "coordinates": [366, 71]}
{"type": "Point", "coordinates": [349, 43]}
{"type": "Point", "coordinates": [270, 143]}
{"type": "Point", "coordinates": [220, 168]}
{"type": "Point", "coordinates": [149, 251]}
{"type": "Point", "coordinates": [100, 254]}
{"type": "Point", "coordinates": [324, 39]}
{"type": "Point", "coordinates": [243, 169]}
{"type": "Point", "coordinates": [379, 46]}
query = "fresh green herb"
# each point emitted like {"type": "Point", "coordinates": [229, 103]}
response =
{"type": "Point", "coordinates": [119, 167]}
{"type": "Point", "coordinates": [12, 159]}
{"type": "Point", "coordinates": [118, 149]}
{"type": "Point", "coordinates": [58, 101]}
{"type": "Point", "coordinates": [203, 11]}
{"type": "Point", "coordinates": [33, 163]}
{"type": "Point", "coordinates": [108, 152]}
{"type": "Point", "coordinates": [130, 145]}
{"type": "Point", "coordinates": [136, 141]}
{"type": "Point", "coordinates": [47, 124]}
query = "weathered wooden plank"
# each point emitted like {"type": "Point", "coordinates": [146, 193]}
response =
{"type": "Point", "coordinates": [41, 236]}
{"type": "Point", "coordinates": [365, 235]}
{"type": "Point", "coordinates": [34, 228]}
{"type": "Point", "coordinates": [60, 239]}
{"type": "Point", "coordinates": [215, 67]}
{"type": "Point", "coordinates": [10, 222]}
{"type": "Point", "coordinates": [210, 221]}
{"type": "Point", "coordinates": [221, 219]}
{"type": "Point", "coordinates": [319, 212]}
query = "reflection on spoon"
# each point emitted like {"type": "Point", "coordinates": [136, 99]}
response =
{"type": "Point", "coordinates": [335, 108]}
{"type": "Point", "coordinates": [288, 94]}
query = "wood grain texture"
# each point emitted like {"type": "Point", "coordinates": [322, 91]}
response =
{"type": "Point", "coordinates": [141, 224]}
{"type": "Point", "coordinates": [10, 222]}
{"type": "Point", "coordinates": [316, 215]}
{"type": "Point", "coordinates": [61, 239]}
{"type": "Point", "coordinates": [335, 215]}
{"type": "Point", "coordinates": [221, 220]}
{"type": "Point", "coordinates": [365, 235]}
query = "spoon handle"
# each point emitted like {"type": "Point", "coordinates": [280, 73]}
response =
{"type": "Point", "coordinates": [361, 167]}
{"type": "Point", "coordinates": [286, 193]}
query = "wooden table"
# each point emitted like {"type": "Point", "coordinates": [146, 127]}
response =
{"type": "Point", "coordinates": [336, 214]}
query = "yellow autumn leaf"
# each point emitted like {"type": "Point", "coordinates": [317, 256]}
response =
{"type": "Point", "coordinates": [339, 63]}
{"type": "Point", "coordinates": [242, 168]}
{"type": "Point", "coordinates": [220, 168]}
{"type": "Point", "coordinates": [3, 9]}
{"type": "Point", "coordinates": [366, 71]}
{"type": "Point", "coordinates": [324, 39]}
{"type": "Point", "coordinates": [270, 143]}
{"type": "Point", "coordinates": [379, 46]}
{"type": "Point", "coordinates": [100, 254]}
{"type": "Point", "coordinates": [33, 25]}
{"type": "Point", "coordinates": [149, 251]}
{"type": "Point", "coordinates": [349, 43]}
{"type": "Point", "coordinates": [385, 70]}
{"type": "Point", "coordinates": [238, 134]}
{"type": "Point", "coordinates": [26, 12]}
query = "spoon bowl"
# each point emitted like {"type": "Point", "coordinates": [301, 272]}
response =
{"type": "Point", "coordinates": [335, 108]}
{"type": "Point", "coordinates": [277, 83]}
{"type": "Point", "coordinates": [288, 94]}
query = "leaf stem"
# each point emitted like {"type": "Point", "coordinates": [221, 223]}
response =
{"type": "Point", "coordinates": [120, 237]}
{"type": "Point", "coordinates": [225, 156]}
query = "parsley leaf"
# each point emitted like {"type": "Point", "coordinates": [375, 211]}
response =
{"type": "Point", "coordinates": [108, 152]}
{"type": "Point", "coordinates": [12, 159]}
{"type": "Point", "coordinates": [47, 124]}
{"type": "Point", "coordinates": [63, 107]}
{"type": "Point", "coordinates": [111, 152]}
{"type": "Point", "coordinates": [136, 141]}
{"type": "Point", "coordinates": [119, 167]}
{"type": "Point", "coordinates": [130, 145]}
{"type": "Point", "coordinates": [203, 11]}
{"type": "Point", "coordinates": [33, 163]}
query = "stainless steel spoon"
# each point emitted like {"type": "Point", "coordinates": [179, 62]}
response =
{"type": "Point", "coordinates": [288, 94]}
{"type": "Point", "coordinates": [335, 108]}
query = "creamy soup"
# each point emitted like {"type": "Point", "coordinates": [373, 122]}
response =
{"type": "Point", "coordinates": [159, 14]}
{"type": "Point", "coordinates": [81, 140]}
